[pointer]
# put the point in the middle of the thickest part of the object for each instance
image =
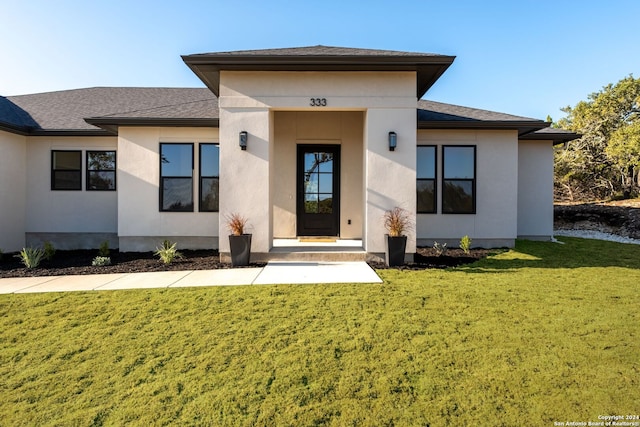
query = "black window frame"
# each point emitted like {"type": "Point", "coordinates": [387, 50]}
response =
{"type": "Point", "coordinates": [202, 177]}
{"type": "Point", "coordinates": [77, 171]}
{"type": "Point", "coordinates": [89, 170]}
{"type": "Point", "coordinates": [163, 178]}
{"type": "Point", "coordinates": [434, 180]}
{"type": "Point", "coordinates": [471, 180]}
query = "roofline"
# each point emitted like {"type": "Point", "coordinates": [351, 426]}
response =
{"type": "Point", "coordinates": [556, 137]}
{"type": "Point", "coordinates": [26, 131]}
{"type": "Point", "coordinates": [523, 127]}
{"type": "Point", "coordinates": [19, 130]}
{"type": "Point", "coordinates": [112, 124]}
{"type": "Point", "coordinates": [207, 67]}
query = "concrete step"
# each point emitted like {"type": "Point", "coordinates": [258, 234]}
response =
{"type": "Point", "coordinates": [280, 254]}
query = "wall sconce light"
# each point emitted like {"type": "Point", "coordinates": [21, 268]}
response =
{"type": "Point", "coordinates": [393, 141]}
{"type": "Point", "coordinates": [243, 140]}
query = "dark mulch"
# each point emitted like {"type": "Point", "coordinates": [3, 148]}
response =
{"type": "Point", "coordinates": [427, 258]}
{"type": "Point", "coordinates": [79, 262]}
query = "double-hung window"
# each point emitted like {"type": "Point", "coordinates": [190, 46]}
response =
{"type": "Point", "coordinates": [66, 170]}
{"type": "Point", "coordinates": [426, 179]}
{"type": "Point", "coordinates": [459, 179]}
{"type": "Point", "coordinates": [101, 170]}
{"type": "Point", "coordinates": [176, 177]}
{"type": "Point", "coordinates": [209, 177]}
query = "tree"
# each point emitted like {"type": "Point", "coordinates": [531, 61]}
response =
{"type": "Point", "coordinates": [606, 159]}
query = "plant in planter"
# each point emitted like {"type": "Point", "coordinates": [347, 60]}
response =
{"type": "Point", "coordinates": [396, 221]}
{"type": "Point", "coordinates": [239, 241]}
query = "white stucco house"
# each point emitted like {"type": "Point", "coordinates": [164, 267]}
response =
{"type": "Point", "coordinates": [312, 141]}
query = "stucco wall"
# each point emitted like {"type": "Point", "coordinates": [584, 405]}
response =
{"type": "Point", "coordinates": [67, 218]}
{"type": "Point", "coordinates": [341, 128]}
{"type": "Point", "coordinates": [495, 222]}
{"type": "Point", "coordinates": [249, 101]}
{"type": "Point", "coordinates": [535, 190]}
{"type": "Point", "coordinates": [390, 176]}
{"type": "Point", "coordinates": [13, 172]}
{"type": "Point", "coordinates": [140, 224]}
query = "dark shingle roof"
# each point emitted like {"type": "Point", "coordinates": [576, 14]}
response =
{"type": "Point", "coordinates": [437, 115]}
{"type": "Point", "coordinates": [67, 110]}
{"type": "Point", "coordinates": [428, 66]}
{"type": "Point", "coordinates": [318, 50]}
{"type": "Point", "coordinates": [101, 110]}
{"type": "Point", "coordinates": [433, 111]}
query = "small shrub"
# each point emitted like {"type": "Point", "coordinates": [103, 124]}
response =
{"type": "Point", "coordinates": [168, 252]}
{"type": "Point", "coordinates": [236, 223]}
{"type": "Point", "coordinates": [101, 261]}
{"type": "Point", "coordinates": [31, 257]}
{"type": "Point", "coordinates": [103, 251]}
{"type": "Point", "coordinates": [0, 254]}
{"type": "Point", "coordinates": [49, 250]}
{"type": "Point", "coordinates": [440, 249]}
{"type": "Point", "coordinates": [465, 244]}
{"type": "Point", "coordinates": [397, 221]}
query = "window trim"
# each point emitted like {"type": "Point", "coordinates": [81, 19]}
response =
{"type": "Point", "coordinates": [54, 170]}
{"type": "Point", "coordinates": [114, 170]}
{"type": "Point", "coordinates": [162, 178]}
{"type": "Point", "coordinates": [434, 179]}
{"type": "Point", "coordinates": [472, 180]}
{"type": "Point", "coordinates": [201, 177]}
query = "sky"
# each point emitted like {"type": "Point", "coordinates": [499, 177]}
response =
{"type": "Point", "coordinates": [523, 57]}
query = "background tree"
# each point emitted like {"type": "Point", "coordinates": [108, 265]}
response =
{"type": "Point", "coordinates": [605, 161]}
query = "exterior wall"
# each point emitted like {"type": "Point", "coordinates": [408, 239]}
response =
{"type": "Point", "coordinates": [390, 176]}
{"type": "Point", "coordinates": [248, 102]}
{"type": "Point", "coordinates": [342, 128]}
{"type": "Point", "coordinates": [495, 223]}
{"type": "Point", "coordinates": [69, 219]}
{"type": "Point", "coordinates": [535, 190]}
{"type": "Point", "coordinates": [13, 189]}
{"type": "Point", "coordinates": [140, 224]}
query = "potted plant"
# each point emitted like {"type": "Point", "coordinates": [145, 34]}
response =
{"type": "Point", "coordinates": [396, 221]}
{"type": "Point", "coordinates": [239, 241]}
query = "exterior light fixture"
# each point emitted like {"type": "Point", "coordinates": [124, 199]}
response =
{"type": "Point", "coordinates": [393, 141]}
{"type": "Point", "coordinates": [243, 140]}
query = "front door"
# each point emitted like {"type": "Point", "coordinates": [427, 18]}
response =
{"type": "Point", "coordinates": [318, 195]}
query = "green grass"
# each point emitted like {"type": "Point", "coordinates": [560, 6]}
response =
{"type": "Point", "coordinates": [538, 334]}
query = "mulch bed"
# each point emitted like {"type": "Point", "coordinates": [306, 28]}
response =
{"type": "Point", "coordinates": [79, 262]}
{"type": "Point", "coordinates": [427, 258]}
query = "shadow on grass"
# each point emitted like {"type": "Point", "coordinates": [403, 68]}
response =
{"type": "Point", "coordinates": [574, 253]}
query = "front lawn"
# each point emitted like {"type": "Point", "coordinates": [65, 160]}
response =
{"type": "Point", "coordinates": [539, 334]}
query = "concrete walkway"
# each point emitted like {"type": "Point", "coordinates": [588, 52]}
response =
{"type": "Point", "coordinates": [275, 272]}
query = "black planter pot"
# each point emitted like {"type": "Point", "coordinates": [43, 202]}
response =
{"type": "Point", "coordinates": [240, 249]}
{"type": "Point", "coordinates": [396, 246]}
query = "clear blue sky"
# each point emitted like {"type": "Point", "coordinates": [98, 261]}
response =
{"type": "Point", "coordinates": [522, 57]}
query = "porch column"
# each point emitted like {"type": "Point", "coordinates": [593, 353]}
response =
{"type": "Point", "coordinates": [390, 176]}
{"type": "Point", "coordinates": [245, 174]}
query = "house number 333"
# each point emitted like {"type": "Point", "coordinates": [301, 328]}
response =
{"type": "Point", "coordinates": [318, 102]}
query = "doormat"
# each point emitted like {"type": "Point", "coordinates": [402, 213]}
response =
{"type": "Point", "coordinates": [317, 239]}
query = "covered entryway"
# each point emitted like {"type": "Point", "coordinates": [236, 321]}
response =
{"type": "Point", "coordinates": [318, 190]}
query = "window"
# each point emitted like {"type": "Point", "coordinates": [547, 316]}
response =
{"type": "Point", "coordinates": [459, 179]}
{"type": "Point", "coordinates": [176, 177]}
{"type": "Point", "coordinates": [66, 170]}
{"type": "Point", "coordinates": [101, 170]}
{"type": "Point", "coordinates": [426, 177]}
{"type": "Point", "coordinates": [209, 177]}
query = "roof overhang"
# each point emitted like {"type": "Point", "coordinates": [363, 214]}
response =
{"type": "Point", "coordinates": [111, 124]}
{"type": "Point", "coordinates": [558, 136]}
{"type": "Point", "coordinates": [208, 66]}
{"type": "Point", "coordinates": [523, 127]}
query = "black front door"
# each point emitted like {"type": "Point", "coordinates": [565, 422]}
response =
{"type": "Point", "coordinates": [318, 196]}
